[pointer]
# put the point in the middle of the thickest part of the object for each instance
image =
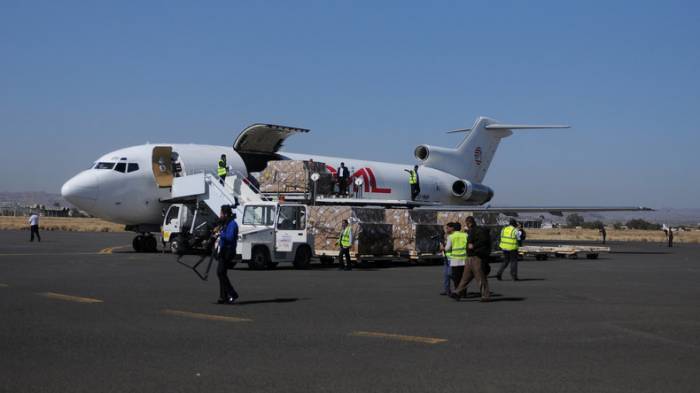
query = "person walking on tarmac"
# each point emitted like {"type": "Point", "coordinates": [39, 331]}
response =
{"type": "Point", "coordinates": [222, 170]}
{"type": "Point", "coordinates": [456, 251]}
{"type": "Point", "coordinates": [509, 244]}
{"type": "Point", "coordinates": [345, 242]}
{"type": "Point", "coordinates": [414, 182]}
{"type": "Point", "coordinates": [478, 254]}
{"type": "Point", "coordinates": [34, 227]}
{"type": "Point", "coordinates": [228, 238]}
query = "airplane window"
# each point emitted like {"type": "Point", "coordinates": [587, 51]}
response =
{"type": "Point", "coordinates": [121, 167]}
{"type": "Point", "coordinates": [133, 167]}
{"type": "Point", "coordinates": [104, 165]}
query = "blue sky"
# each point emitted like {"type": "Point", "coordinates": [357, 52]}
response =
{"type": "Point", "coordinates": [371, 80]}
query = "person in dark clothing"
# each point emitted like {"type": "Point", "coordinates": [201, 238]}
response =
{"type": "Point", "coordinates": [478, 253]}
{"type": "Point", "coordinates": [521, 238]}
{"type": "Point", "coordinates": [343, 177]}
{"type": "Point", "coordinates": [670, 237]}
{"type": "Point", "coordinates": [228, 238]}
{"type": "Point", "coordinates": [603, 233]}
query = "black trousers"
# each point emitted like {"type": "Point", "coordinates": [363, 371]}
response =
{"type": "Point", "coordinates": [34, 231]}
{"type": "Point", "coordinates": [509, 258]}
{"type": "Point", "coordinates": [344, 252]}
{"type": "Point", "coordinates": [222, 179]}
{"type": "Point", "coordinates": [225, 288]}
{"type": "Point", "coordinates": [456, 275]}
{"type": "Point", "coordinates": [343, 186]}
{"type": "Point", "coordinates": [415, 190]}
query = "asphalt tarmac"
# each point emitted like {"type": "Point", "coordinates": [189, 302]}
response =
{"type": "Point", "coordinates": [80, 312]}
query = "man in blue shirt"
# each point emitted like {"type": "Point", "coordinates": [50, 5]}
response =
{"type": "Point", "coordinates": [228, 238]}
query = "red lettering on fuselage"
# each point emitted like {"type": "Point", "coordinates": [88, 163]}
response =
{"type": "Point", "coordinates": [369, 180]}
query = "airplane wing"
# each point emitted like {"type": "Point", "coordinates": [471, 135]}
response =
{"type": "Point", "coordinates": [507, 210]}
{"type": "Point", "coordinates": [553, 210]}
{"type": "Point", "coordinates": [259, 143]}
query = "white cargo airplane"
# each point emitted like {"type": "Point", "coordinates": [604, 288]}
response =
{"type": "Point", "coordinates": [124, 186]}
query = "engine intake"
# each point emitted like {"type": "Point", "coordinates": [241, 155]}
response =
{"type": "Point", "coordinates": [422, 152]}
{"type": "Point", "coordinates": [475, 193]}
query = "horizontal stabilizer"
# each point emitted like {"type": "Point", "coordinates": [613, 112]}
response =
{"type": "Point", "coordinates": [523, 127]}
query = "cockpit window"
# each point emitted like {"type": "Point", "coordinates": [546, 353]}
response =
{"type": "Point", "coordinates": [133, 167]}
{"type": "Point", "coordinates": [104, 165]}
{"type": "Point", "coordinates": [121, 167]}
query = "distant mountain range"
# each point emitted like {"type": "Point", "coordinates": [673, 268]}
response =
{"type": "Point", "coordinates": [662, 216]}
{"type": "Point", "coordinates": [34, 198]}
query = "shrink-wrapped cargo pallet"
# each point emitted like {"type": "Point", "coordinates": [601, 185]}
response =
{"type": "Point", "coordinates": [415, 232]}
{"type": "Point", "coordinates": [295, 176]}
{"type": "Point", "coordinates": [445, 216]}
{"type": "Point", "coordinates": [371, 236]}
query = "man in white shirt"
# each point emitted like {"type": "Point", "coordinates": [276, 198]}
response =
{"type": "Point", "coordinates": [34, 226]}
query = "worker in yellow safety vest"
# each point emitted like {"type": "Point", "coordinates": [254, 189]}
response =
{"type": "Point", "coordinates": [345, 243]}
{"type": "Point", "coordinates": [455, 249]}
{"type": "Point", "coordinates": [414, 182]}
{"type": "Point", "coordinates": [510, 236]}
{"type": "Point", "coordinates": [222, 170]}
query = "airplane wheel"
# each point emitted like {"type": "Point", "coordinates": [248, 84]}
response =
{"type": "Point", "coordinates": [177, 246]}
{"type": "Point", "coordinates": [303, 258]}
{"type": "Point", "coordinates": [260, 259]}
{"type": "Point", "coordinates": [137, 243]}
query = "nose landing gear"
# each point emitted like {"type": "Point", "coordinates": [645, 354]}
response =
{"type": "Point", "coordinates": [145, 243]}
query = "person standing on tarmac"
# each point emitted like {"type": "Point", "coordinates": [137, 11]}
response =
{"type": "Point", "coordinates": [478, 254]}
{"type": "Point", "coordinates": [456, 251]}
{"type": "Point", "coordinates": [228, 239]}
{"type": "Point", "coordinates": [414, 182]}
{"type": "Point", "coordinates": [509, 244]}
{"type": "Point", "coordinates": [345, 242]}
{"type": "Point", "coordinates": [34, 227]}
{"type": "Point", "coordinates": [222, 169]}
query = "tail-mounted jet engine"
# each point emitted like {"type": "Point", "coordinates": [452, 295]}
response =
{"type": "Point", "coordinates": [474, 193]}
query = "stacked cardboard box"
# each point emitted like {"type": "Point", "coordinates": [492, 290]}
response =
{"type": "Point", "coordinates": [295, 176]}
{"type": "Point", "coordinates": [414, 231]}
{"type": "Point", "coordinates": [371, 235]}
{"type": "Point", "coordinates": [445, 216]}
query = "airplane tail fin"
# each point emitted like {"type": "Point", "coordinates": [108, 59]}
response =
{"type": "Point", "coordinates": [471, 159]}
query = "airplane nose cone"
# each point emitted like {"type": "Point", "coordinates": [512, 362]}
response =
{"type": "Point", "coordinates": [81, 190]}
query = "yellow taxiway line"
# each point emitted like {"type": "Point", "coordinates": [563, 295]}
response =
{"type": "Point", "coordinates": [399, 337]}
{"type": "Point", "coordinates": [208, 317]}
{"type": "Point", "coordinates": [69, 298]}
{"type": "Point", "coordinates": [109, 250]}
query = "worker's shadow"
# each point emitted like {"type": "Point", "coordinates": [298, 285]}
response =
{"type": "Point", "coordinates": [275, 300]}
{"type": "Point", "coordinates": [494, 297]}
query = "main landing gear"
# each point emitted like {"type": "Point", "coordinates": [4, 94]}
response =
{"type": "Point", "coordinates": [145, 243]}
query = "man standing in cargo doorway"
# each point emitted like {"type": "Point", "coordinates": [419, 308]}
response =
{"type": "Point", "coordinates": [414, 182]}
{"type": "Point", "coordinates": [345, 242]}
{"type": "Point", "coordinates": [343, 176]}
{"type": "Point", "coordinates": [222, 170]}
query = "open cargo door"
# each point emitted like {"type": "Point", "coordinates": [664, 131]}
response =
{"type": "Point", "coordinates": [162, 165]}
{"type": "Point", "coordinates": [259, 143]}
